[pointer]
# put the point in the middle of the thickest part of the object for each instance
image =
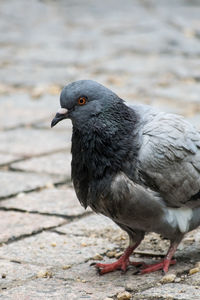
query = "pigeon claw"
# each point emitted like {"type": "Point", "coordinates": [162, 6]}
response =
{"type": "Point", "coordinates": [121, 264]}
{"type": "Point", "coordinates": [107, 268]}
{"type": "Point", "coordinates": [164, 266]}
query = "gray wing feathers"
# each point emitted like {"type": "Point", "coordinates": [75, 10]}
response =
{"type": "Point", "coordinates": [169, 158]}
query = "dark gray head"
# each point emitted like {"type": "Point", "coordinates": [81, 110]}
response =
{"type": "Point", "coordinates": [83, 99]}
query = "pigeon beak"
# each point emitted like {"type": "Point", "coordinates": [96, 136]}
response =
{"type": "Point", "coordinates": [61, 114]}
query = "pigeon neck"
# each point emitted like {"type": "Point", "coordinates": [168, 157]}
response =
{"type": "Point", "coordinates": [104, 146]}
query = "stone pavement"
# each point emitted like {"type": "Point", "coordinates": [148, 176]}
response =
{"type": "Point", "coordinates": [147, 51]}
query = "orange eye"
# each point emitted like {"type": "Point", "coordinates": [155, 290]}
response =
{"type": "Point", "coordinates": [82, 100]}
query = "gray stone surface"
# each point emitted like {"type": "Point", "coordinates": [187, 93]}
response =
{"type": "Point", "coordinates": [52, 249]}
{"type": "Point", "coordinates": [12, 183]}
{"type": "Point", "coordinates": [50, 201]}
{"type": "Point", "coordinates": [194, 279]}
{"type": "Point", "coordinates": [171, 291]}
{"type": "Point", "coordinates": [183, 92]}
{"type": "Point", "coordinates": [15, 224]}
{"type": "Point", "coordinates": [8, 158]}
{"type": "Point", "coordinates": [57, 59]}
{"type": "Point", "coordinates": [13, 272]}
{"type": "Point", "coordinates": [57, 164]}
{"type": "Point", "coordinates": [20, 109]}
{"type": "Point", "coordinates": [29, 142]}
{"type": "Point", "coordinates": [43, 289]}
{"type": "Point", "coordinates": [93, 225]}
{"type": "Point", "coordinates": [84, 278]}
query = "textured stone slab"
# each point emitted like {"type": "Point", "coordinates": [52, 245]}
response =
{"type": "Point", "coordinates": [29, 142]}
{"type": "Point", "coordinates": [52, 249]}
{"type": "Point", "coordinates": [80, 281]}
{"type": "Point", "coordinates": [8, 158]}
{"type": "Point", "coordinates": [165, 69]}
{"type": "Point", "coordinates": [43, 289]}
{"type": "Point", "coordinates": [84, 277]}
{"type": "Point", "coordinates": [170, 291]}
{"type": "Point", "coordinates": [20, 109]}
{"type": "Point", "coordinates": [183, 92]}
{"type": "Point", "coordinates": [57, 163]}
{"type": "Point", "coordinates": [12, 273]}
{"type": "Point", "coordinates": [189, 248]}
{"type": "Point", "coordinates": [16, 224]}
{"type": "Point", "coordinates": [97, 289]}
{"type": "Point", "coordinates": [93, 225]}
{"type": "Point", "coordinates": [12, 183]}
{"type": "Point", "coordinates": [52, 201]}
{"type": "Point", "coordinates": [193, 279]}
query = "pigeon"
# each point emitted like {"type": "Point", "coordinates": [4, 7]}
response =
{"type": "Point", "coordinates": [134, 164]}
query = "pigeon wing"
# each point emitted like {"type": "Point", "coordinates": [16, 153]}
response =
{"type": "Point", "coordinates": [169, 159]}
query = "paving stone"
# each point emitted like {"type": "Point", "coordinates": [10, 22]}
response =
{"type": "Point", "coordinates": [29, 142]}
{"type": "Point", "coordinates": [85, 278]}
{"type": "Point", "coordinates": [193, 279]}
{"type": "Point", "coordinates": [12, 183]}
{"type": "Point", "coordinates": [57, 163]}
{"type": "Point", "coordinates": [43, 289]}
{"type": "Point", "coordinates": [183, 92]}
{"type": "Point", "coordinates": [145, 35]}
{"type": "Point", "coordinates": [13, 272]}
{"type": "Point", "coordinates": [78, 283]}
{"type": "Point", "coordinates": [52, 249]}
{"type": "Point", "coordinates": [93, 225]}
{"type": "Point", "coordinates": [8, 158]}
{"type": "Point", "coordinates": [170, 291]}
{"type": "Point", "coordinates": [51, 201]}
{"type": "Point", "coordinates": [166, 70]}
{"type": "Point", "coordinates": [96, 226]}
{"type": "Point", "coordinates": [20, 109]}
{"type": "Point", "coordinates": [189, 248]}
{"type": "Point", "coordinates": [16, 224]}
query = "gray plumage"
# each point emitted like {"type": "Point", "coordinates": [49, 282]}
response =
{"type": "Point", "coordinates": [134, 164]}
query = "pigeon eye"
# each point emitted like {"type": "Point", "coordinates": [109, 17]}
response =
{"type": "Point", "coordinates": [82, 100]}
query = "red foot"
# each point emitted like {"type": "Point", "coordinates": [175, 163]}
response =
{"type": "Point", "coordinates": [123, 262]}
{"type": "Point", "coordinates": [164, 265]}
{"type": "Point", "coordinates": [120, 264]}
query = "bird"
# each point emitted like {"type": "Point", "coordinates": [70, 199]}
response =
{"type": "Point", "coordinates": [136, 165]}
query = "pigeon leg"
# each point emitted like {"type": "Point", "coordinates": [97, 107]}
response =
{"type": "Point", "coordinates": [163, 265]}
{"type": "Point", "coordinates": [121, 264]}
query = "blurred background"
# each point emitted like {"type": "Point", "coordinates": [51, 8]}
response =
{"type": "Point", "coordinates": [144, 50]}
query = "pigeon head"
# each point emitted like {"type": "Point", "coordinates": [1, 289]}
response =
{"type": "Point", "coordinates": [81, 100]}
